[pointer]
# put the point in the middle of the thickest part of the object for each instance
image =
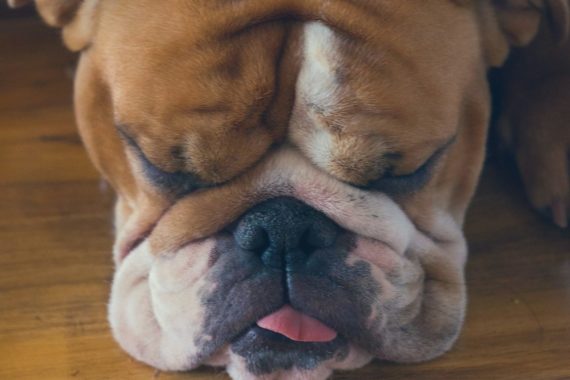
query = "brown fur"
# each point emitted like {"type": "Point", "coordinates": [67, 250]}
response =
{"type": "Point", "coordinates": [534, 122]}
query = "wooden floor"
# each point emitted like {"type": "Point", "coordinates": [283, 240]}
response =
{"type": "Point", "coordinates": [55, 262]}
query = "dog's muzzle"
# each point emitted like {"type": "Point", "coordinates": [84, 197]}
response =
{"type": "Point", "coordinates": [311, 276]}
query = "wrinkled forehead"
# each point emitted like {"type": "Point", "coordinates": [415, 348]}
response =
{"type": "Point", "coordinates": [381, 76]}
{"type": "Point", "coordinates": [164, 58]}
{"type": "Point", "coordinates": [182, 55]}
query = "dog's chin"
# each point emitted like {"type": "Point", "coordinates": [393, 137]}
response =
{"type": "Point", "coordinates": [259, 353]}
{"type": "Point", "coordinates": [265, 351]}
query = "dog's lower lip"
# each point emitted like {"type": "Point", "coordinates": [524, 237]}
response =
{"type": "Point", "coordinates": [281, 341]}
{"type": "Point", "coordinates": [265, 351]}
{"type": "Point", "coordinates": [297, 326]}
{"type": "Point", "coordinates": [273, 336]}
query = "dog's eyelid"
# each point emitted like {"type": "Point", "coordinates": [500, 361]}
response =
{"type": "Point", "coordinates": [122, 130]}
{"type": "Point", "coordinates": [177, 183]}
{"type": "Point", "coordinates": [412, 182]}
{"type": "Point", "coordinates": [433, 159]}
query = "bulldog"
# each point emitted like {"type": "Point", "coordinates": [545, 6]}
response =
{"type": "Point", "coordinates": [292, 176]}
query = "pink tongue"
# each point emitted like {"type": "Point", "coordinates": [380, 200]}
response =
{"type": "Point", "coordinates": [297, 326]}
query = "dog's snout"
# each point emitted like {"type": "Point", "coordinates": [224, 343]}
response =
{"type": "Point", "coordinates": [284, 232]}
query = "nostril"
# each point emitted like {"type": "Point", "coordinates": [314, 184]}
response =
{"type": "Point", "coordinates": [307, 242]}
{"type": "Point", "coordinates": [319, 236]}
{"type": "Point", "coordinates": [252, 238]}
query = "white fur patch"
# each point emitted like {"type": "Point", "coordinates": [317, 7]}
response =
{"type": "Point", "coordinates": [317, 79]}
{"type": "Point", "coordinates": [155, 309]}
{"type": "Point", "coordinates": [317, 89]}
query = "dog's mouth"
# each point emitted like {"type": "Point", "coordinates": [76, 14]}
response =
{"type": "Point", "coordinates": [277, 319]}
{"type": "Point", "coordinates": [288, 329]}
{"type": "Point", "coordinates": [297, 326]}
{"type": "Point", "coordinates": [288, 338]}
{"type": "Point", "coordinates": [265, 351]}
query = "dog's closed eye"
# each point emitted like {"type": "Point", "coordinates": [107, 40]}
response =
{"type": "Point", "coordinates": [393, 184]}
{"type": "Point", "coordinates": [177, 183]}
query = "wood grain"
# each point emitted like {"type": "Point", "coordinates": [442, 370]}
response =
{"type": "Point", "coordinates": [55, 263]}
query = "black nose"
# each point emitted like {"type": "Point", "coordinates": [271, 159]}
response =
{"type": "Point", "coordinates": [284, 232]}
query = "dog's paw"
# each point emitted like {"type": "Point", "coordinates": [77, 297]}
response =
{"type": "Point", "coordinates": [535, 130]}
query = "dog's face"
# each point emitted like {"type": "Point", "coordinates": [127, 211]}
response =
{"type": "Point", "coordinates": [292, 176]}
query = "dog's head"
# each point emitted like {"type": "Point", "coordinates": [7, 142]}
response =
{"type": "Point", "coordinates": [292, 176]}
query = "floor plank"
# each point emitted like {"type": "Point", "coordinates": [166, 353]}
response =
{"type": "Point", "coordinates": [55, 238]}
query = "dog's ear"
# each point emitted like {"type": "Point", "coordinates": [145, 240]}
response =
{"type": "Point", "coordinates": [75, 17]}
{"type": "Point", "coordinates": [520, 19]}
{"type": "Point", "coordinates": [508, 23]}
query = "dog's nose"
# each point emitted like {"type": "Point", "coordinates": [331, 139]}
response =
{"type": "Point", "coordinates": [284, 232]}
